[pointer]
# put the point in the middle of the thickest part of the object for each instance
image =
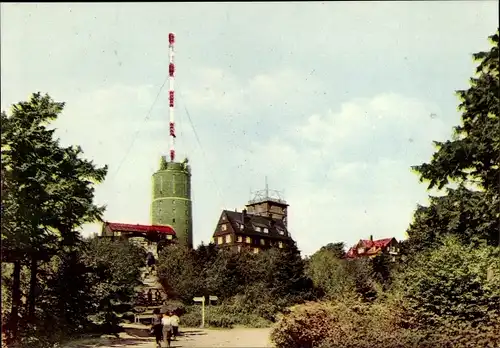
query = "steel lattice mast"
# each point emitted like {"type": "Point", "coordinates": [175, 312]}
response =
{"type": "Point", "coordinates": [171, 95]}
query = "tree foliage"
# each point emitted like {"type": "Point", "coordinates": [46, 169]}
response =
{"type": "Point", "coordinates": [455, 288]}
{"type": "Point", "coordinates": [472, 161]}
{"type": "Point", "coordinates": [246, 283]}
{"type": "Point", "coordinates": [47, 194]}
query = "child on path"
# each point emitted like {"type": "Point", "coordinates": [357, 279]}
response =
{"type": "Point", "coordinates": [167, 328]}
{"type": "Point", "coordinates": [174, 320]}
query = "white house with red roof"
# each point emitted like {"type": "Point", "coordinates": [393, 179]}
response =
{"type": "Point", "coordinates": [371, 248]}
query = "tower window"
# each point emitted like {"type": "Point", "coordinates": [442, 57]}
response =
{"type": "Point", "coordinates": [173, 201]}
{"type": "Point", "coordinates": [173, 220]}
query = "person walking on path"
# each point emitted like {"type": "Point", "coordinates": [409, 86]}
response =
{"type": "Point", "coordinates": [167, 328]}
{"type": "Point", "coordinates": [174, 320]}
{"type": "Point", "coordinates": [157, 327]}
{"type": "Point", "coordinates": [150, 297]}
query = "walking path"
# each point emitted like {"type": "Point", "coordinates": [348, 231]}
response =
{"type": "Point", "coordinates": [191, 338]}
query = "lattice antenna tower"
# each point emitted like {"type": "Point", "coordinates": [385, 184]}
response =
{"type": "Point", "coordinates": [171, 93]}
{"type": "Point", "coordinates": [267, 195]}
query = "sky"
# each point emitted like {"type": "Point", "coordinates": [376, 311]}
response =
{"type": "Point", "coordinates": [332, 101]}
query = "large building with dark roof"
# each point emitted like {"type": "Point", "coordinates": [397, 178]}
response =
{"type": "Point", "coordinates": [262, 225]}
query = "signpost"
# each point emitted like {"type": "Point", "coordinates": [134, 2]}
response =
{"type": "Point", "coordinates": [202, 300]}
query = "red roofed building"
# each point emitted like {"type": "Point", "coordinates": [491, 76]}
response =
{"type": "Point", "coordinates": [152, 237]}
{"type": "Point", "coordinates": [371, 248]}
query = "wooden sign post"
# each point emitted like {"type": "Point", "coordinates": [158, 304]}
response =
{"type": "Point", "coordinates": [202, 300]}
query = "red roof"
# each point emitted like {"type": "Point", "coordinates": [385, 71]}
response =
{"type": "Point", "coordinates": [367, 244]}
{"type": "Point", "coordinates": [114, 226]}
{"type": "Point", "coordinates": [381, 243]}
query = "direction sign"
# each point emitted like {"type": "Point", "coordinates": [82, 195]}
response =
{"type": "Point", "coordinates": [199, 299]}
{"type": "Point", "coordinates": [213, 298]}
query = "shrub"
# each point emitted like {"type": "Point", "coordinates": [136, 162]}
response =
{"type": "Point", "coordinates": [305, 326]}
{"type": "Point", "coordinates": [347, 323]}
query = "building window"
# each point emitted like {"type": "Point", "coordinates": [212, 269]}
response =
{"type": "Point", "coordinates": [257, 229]}
{"type": "Point", "coordinates": [255, 250]}
{"type": "Point", "coordinates": [169, 237]}
{"type": "Point", "coordinates": [262, 242]}
{"type": "Point", "coordinates": [223, 227]}
{"type": "Point", "coordinates": [280, 231]}
{"type": "Point", "coordinates": [239, 248]}
{"type": "Point", "coordinates": [266, 230]}
{"type": "Point", "coordinates": [228, 238]}
{"type": "Point", "coordinates": [280, 244]}
{"type": "Point", "coordinates": [240, 239]}
{"type": "Point", "coordinates": [242, 227]}
{"type": "Point", "coordinates": [220, 240]}
{"type": "Point", "coordinates": [248, 240]}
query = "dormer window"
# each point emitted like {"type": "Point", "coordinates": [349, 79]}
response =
{"type": "Point", "coordinates": [258, 229]}
{"type": "Point", "coordinates": [280, 231]}
{"type": "Point", "coordinates": [266, 230]}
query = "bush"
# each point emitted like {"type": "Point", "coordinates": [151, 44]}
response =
{"type": "Point", "coordinates": [349, 323]}
{"type": "Point", "coordinates": [448, 292]}
{"type": "Point", "coordinates": [305, 326]}
{"type": "Point", "coordinates": [222, 316]}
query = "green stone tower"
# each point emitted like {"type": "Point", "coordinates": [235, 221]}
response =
{"type": "Point", "coordinates": [172, 199]}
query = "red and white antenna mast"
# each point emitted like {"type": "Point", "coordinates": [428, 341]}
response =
{"type": "Point", "coordinates": [171, 97]}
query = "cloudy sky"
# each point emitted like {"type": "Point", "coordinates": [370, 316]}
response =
{"type": "Point", "coordinates": [333, 102]}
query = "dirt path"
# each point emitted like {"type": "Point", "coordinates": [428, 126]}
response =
{"type": "Point", "coordinates": [192, 338]}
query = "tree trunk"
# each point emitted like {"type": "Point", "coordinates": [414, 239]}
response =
{"type": "Point", "coordinates": [33, 287]}
{"type": "Point", "coordinates": [16, 302]}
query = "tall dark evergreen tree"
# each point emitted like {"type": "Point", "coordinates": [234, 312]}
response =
{"type": "Point", "coordinates": [47, 192]}
{"type": "Point", "coordinates": [472, 161]}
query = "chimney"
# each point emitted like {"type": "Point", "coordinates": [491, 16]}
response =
{"type": "Point", "coordinates": [244, 216]}
{"type": "Point", "coordinates": [371, 237]}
